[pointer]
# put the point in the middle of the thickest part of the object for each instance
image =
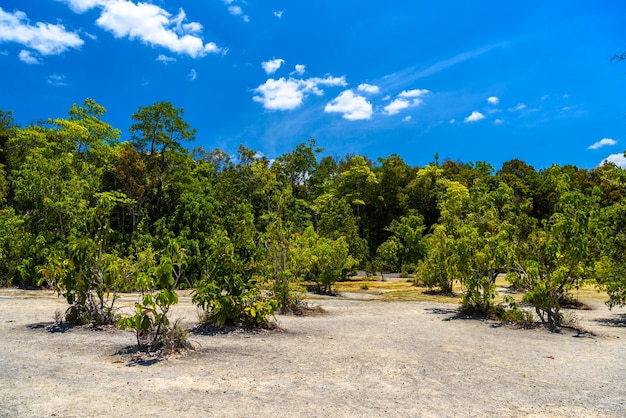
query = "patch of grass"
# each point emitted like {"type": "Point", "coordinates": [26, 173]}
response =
{"type": "Point", "coordinates": [418, 294]}
{"type": "Point", "coordinates": [403, 290]}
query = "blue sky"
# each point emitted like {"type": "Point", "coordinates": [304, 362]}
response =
{"type": "Point", "coordinates": [473, 81]}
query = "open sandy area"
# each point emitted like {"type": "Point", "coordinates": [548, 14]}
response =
{"type": "Point", "coordinates": [362, 358]}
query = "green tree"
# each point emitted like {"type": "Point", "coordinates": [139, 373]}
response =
{"type": "Point", "coordinates": [561, 255]}
{"type": "Point", "coordinates": [158, 134]}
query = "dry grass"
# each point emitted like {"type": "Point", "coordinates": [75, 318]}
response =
{"type": "Point", "coordinates": [406, 291]}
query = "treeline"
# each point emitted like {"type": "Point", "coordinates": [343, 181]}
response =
{"type": "Point", "coordinates": [90, 214]}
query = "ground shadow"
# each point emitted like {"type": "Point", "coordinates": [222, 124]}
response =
{"type": "Point", "coordinates": [139, 356]}
{"type": "Point", "coordinates": [617, 320]}
{"type": "Point", "coordinates": [52, 327]}
{"type": "Point", "coordinates": [211, 330]}
{"type": "Point", "coordinates": [451, 313]}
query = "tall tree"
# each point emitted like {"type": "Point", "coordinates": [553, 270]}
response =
{"type": "Point", "coordinates": [158, 134]}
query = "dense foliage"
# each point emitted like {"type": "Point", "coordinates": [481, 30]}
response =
{"type": "Point", "coordinates": [90, 215]}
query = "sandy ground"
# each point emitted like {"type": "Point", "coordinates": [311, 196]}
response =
{"type": "Point", "coordinates": [363, 358]}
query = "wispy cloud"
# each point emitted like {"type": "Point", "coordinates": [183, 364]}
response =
{"type": "Point", "coordinates": [28, 57]}
{"type": "Point", "coordinates": [493, 100]}
{"type": "Point", "coordinates": [192, 74]}
{"type": "Point", "coordinates": [236, 10]}
{"type": "Point", "coordinates": [351, 106]}
{"type": "Point", "coordinates": [278, 13]}
{"type": "Point", "coordinates": [57, 80]}
{"type": "Point", "coordinates": [165, 59]}
{"type": "Point", "coordinates": [604, 142]}
{"type": "Point", "coordinates": [409, 75]}
{"type": "Point", "coordinates": [45, 38]}
{"type": "Point", "coordinates": [150, 24]}
{"type": "Point", "coordinates": [474, 117]}
{"type": "Point", "coordinates": [517, 108]}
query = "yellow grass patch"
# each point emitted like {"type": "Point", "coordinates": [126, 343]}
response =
{"type": "Point", "coordinates": [404, 290]}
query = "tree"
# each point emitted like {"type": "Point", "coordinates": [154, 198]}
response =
{"type": "Point", "coordinates": [561, 255]}
{"type": "Point", "coordinates": [91, 274]}
{"type": "Point", "coordinates": [157, 135]}
{"type": "Point", "coordinates": [321, 259]}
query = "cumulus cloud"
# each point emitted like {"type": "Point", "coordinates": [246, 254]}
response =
{"type": "Point", "coordinates": [351, 106]}
{"type": "Point", "coordinates": [493, 100]}
{"type": "Point", "coordinates": [192, 74]}
{"type": "Point", "coordinates": [45, 38]}
{"type": "Point", "coordinates": [288, 94]}
{"type": "Point", "coordinates": [165, 59]}
{"type": "Point", "coordinates": [474, 117]}
{"type": "Point", "coordinates": [278, 13]}
{"type": "Point", "coordinates": [150, 24]}
{"type": "Point", "coordinates": [604, 142]}
{"type": "Point", "coordinates": [407, 118]}
{"type": "Point", "coordinates": [368, 88]}
{"type": "Point", "coordinates": [396, 106]}
{"type": "Point", "coordinates": [498, 122]}
{"type": "Point", "coordinates": [272, 66]}
{"type": "Point", "coordinates": [300, 69]}
{"type": "Point", "coordinates": [617, 159]}
{"type": "Point", "coordinates": [28, 57]}
{"type": "Point", "coordinates": [406, 99]}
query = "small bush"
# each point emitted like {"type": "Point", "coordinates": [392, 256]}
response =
{"type": "Point", "coordinates": [514, 315]}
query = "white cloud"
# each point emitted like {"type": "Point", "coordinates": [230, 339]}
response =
{"type": "Point", "coordinates": [544, 97]}
{"type": "Point", "coordinates": [45, 38]}
{"type": "Point", "coordinates": [272, 66]}
{"type": "Point", "coordinates": [165, 59]}
{"type": "Point", "coordinates": [353, 107]}
{"type": "Point", "coordinates": [288, 94]}
{"type": "Point", "coordinates": [300, 69]}
{"type": "Point", "coordinates": [396, 106]}
{"type": "Point", "coordinates": [604, 142]}
{"type": "Point", "coordinates": [519, 106]}
{"type": "Point", "coordinates": [235, 10]}
{"type": "Point", "coordinates": [57, 80]}
{"type": "Point", "coordinates": [617, 159]}
{"type": "Point", "coordinates": [4, 53]}
{"type": "Point", "coordinates": [402, 101]}
{"type": "Point", "coordinates": [150, 24]}
{"type": "Point", "coordinates": [474, 117]}
{"type": "Point", "coordinates": [192, 74]}
{"type": "Point", "coordinates": [498, 122]}
{"type": "Point", "coordinates": [280, 94]}
{"type": "Point", "coordinates": [28, 57]}
{"type": "Point", "coordinates": [566, 96]}
{"type": "Point", "coordinates": [413, 93]}
{"type": "Point", "coordinates": [452, 121]}
{"type": "Point", "coordinates": [278, 13]}
{"type": "Point", "coordinates": [81, 6]}
{"type": "Point", "coordinates": [407, 118]}
{"type": "Point", "coordinates": [368, 88]}
{"type": "Point", "coordinates": [493, 100]}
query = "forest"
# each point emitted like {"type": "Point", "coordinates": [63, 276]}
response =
{"type": "Point", "coordinates": [90, 212]}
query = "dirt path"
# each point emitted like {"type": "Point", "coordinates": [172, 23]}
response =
{"type": "Point", "coordinates": [361, 359]}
